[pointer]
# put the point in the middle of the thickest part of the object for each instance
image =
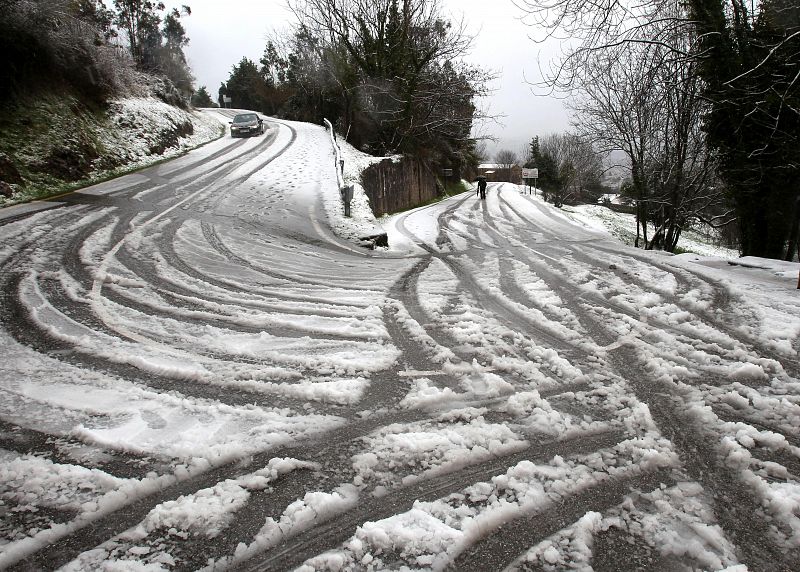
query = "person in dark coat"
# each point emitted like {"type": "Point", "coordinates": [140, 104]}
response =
{"type": "Point", "coordinates": [482, 187]}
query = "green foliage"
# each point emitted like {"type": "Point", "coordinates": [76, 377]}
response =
{"type": "Point", "coordinates": [201, 98]}
{"type": "Point", "coordinates": [139, 20]}
{"type": "Point", "coordinates": [548, 180]}
{"type": "Point", "coordinates": [95, 13]}
{"type": "Point", "coordinates": [454, 188]}
{"type": "Point", "coordinates": [569, 169]}
{"type": "Point", "coordinates": [246, 87]}
{"type": "Point", "coordinates": [57, 142]}
{"type": "Point", "coordinates": [318, 78]}
{"type": "Point", "coordinates": [52, 42]}
{"type": "Point", "coordinates": [52, 140]}
{"type": "Point", "coordinates": [156, 43]}
{"type": "Point", "coordinates": [386, 73]}
{"type": "Point", "coordinates": [754, 124]}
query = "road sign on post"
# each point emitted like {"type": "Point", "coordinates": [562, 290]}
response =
{"type": "Point", "coordinates": [226, 99]}
{"type": "Point", "coordinates": [528, 174]}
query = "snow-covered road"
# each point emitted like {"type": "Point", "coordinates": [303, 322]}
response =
{"type": "Point", "coordinates": [197, 373]}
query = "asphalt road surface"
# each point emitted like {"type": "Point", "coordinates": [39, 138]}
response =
{"type": "Point", "coordinates": [197, 373]}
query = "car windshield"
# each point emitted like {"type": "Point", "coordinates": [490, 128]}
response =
{"type": "Point", "coordinates": [245, 118]}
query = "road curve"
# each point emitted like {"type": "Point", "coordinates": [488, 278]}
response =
{"type": "Point", "coordinates": [199, 374]}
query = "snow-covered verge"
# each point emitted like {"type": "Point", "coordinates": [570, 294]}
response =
{"type": "Point", "coordinates": [768, 285]}
{"type": "Point", "coordinates": [58, 145]}
{"type": "Point", "coordinates": [361, 222]}
{"type": "Point", "coordinates": [145, 130]}
{"type": "Point", "coordinates": [623, 227]}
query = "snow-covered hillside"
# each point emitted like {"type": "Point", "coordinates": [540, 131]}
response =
{"type": "Point", "coordinates": [60, 146]}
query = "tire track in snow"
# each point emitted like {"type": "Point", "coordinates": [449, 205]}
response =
{"type": "Point", "coordinates": [178, 264]}
{"type": "Point", "coordinates": [296, 278]}
{"type": "Point", "coordinates": [27, 441]}
{"type": "Point", "coordinates": [405, 291]}
{"type": "Point", "coordinates": [749, 417]}
{"type": "Point", "coordinates": [511, 317]}
{"type": "Point", "coordinates": [499, 306]}
{"type": "Point", "coordinates": [739, 508]}
{"type": "Point", "coordinates": [91, 530]}
{"type": "Point", "coordinates": [28, 332]}
{"type": "Point", "coordinates": [506, 543]}
{"type": "Point", "coordinates": [442, 218]}
{"type": "Point", "coordinates": [557, 282]}
{"type": "Point", "coordinates": [380, 402]}
{"type": "Point", "coordinates": [599, 300]}
{"type": "Point", "coordinates": [735, 502]}
{"type": "Point", "coordinates": [331, 533]}
{"type": "Point", "coordinates": [552, 281]}
{"type": "Point", "coordinates": [700, 458]}
{"type": "Point", "coordinates": [722, 297]}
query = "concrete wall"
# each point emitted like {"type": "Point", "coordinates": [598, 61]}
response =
{"type": "Point", "coordinates": [393, 187]}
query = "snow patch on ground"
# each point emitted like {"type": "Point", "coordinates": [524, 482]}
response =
{"type": "Point", "coordinates": [203, 515]}
{"type": "Point", "coordinates": [138, 125]}
{"type": "Point", "coordinates": [623, 227]}
{"type": "Point", "coordinates": [404, 453]}
{"type": "Point", "coordinates": [361, 222]}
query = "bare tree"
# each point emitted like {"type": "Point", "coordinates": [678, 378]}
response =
{"type": "Point", "coordinates": [639, 99]}
{"type": "Point", "coordinates": [506, 160]}
{"type": "Point", "coordinates": [575, 163]}
{"type": "Point", "coordinates": [525, 154]}
{"type": "Point", "coordinates": [481, 151]}
{"type": "Point", "coordinates": [747, 56]}
{"type": "Point", "coordinates": [403, 67]}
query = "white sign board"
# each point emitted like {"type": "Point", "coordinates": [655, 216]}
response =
{"type": "Point", "coordinates": [530, 173]}
{"type": "Point", "coordinates": [226, 98]}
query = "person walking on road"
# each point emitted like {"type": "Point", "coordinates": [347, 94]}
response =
{"type": "Point", "coordinates": [482, 187]}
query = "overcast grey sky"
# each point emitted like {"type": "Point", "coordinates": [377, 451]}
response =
{"type": "Point", "coordinates": [223, 32]}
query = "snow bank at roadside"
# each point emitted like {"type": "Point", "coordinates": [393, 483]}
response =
{"type": "Point", "coordinates": [75, 147]}
{"type": "Point", "coordinates": [779, 268]}
{"type": "Point", "coordinates": [361, 223]}
{"type": "Point", "coordinates": [143, 130]}
{"type": "Point", "coordinates": [623, 227]}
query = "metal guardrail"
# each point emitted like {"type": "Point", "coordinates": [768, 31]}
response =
{"type": "Point", "coordinates": [337, 154]}
{"type": "Point", "coordinates": [346, 192]}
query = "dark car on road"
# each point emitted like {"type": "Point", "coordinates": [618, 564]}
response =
{"type": "Point", "coordinates": [246, 124]}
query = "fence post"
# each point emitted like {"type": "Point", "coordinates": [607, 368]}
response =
{"type": "Point", "coordinates": [347, 196]}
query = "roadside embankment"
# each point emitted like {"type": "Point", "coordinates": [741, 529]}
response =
{"type": "Point", "coordinates": [55, 143]}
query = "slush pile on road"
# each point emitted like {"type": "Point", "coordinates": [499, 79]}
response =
{"type": "Point", "coordinates": [199, 374]}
